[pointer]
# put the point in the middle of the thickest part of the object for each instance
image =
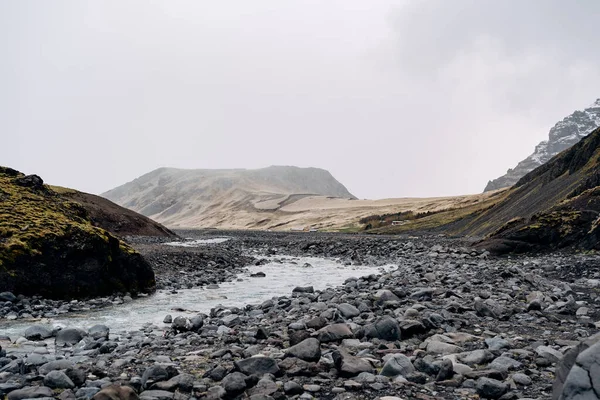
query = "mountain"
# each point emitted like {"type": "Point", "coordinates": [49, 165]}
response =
{"type": "Point", "coordinates": [49, 246]}
{"type": "Point", "coordinates": [228, 198]}
{"type": "Point", "coordinates": [562, 136]}
{"type": "Point", "coordinates": [556, 205]}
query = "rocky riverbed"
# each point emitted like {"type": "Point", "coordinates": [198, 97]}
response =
{"type": "Point", "coordinates": [445, 322]}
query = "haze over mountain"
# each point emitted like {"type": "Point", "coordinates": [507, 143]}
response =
{"type": "Point", "coordinates": [277, 197]}
{"type": "Point", "coordinates": [562, 136]}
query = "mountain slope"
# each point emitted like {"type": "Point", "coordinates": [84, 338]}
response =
{"type": "Point", "coordinates": [562, 136]}
{"type": "Point", "coordinates": [49, 246]}
{"type": "Point", "coordinates": [118, 220]}
{"type": "Point", "coordinates": [217, 198]}
{"type": "Point", "coordinates": [554, 206]}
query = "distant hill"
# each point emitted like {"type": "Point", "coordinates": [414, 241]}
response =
{"type": "Point", "coordinates": [562, 136]}
{"type": "Point", "coordinates": [229, 198]}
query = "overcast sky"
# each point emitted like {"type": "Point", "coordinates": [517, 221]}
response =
{"type": "Point", "coordinates": [394, 98]}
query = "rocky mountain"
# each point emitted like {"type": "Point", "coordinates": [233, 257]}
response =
{"type": "Point", "coordinates": [229, 198]}
{"type": "Point", "coordinates": [49, 246]}
{"type": "Point", "coordinates": [562, 136]}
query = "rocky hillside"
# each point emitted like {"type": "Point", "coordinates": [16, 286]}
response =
{"type": "Point", "coordinates": [562, 136]}
{"type": "Point", "coordinates": [555, 206]}
{"type": "Point", "coordinates": [49, 246]}
{"type": "Point", "coordinates": [222, 198]}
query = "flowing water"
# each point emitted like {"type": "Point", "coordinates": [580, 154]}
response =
{"type": "Point", "coordinates": [283, 274]}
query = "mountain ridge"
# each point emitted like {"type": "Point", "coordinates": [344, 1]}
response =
{"type": "Point", "coordinates": [564, 134]}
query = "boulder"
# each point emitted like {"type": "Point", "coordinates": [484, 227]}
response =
{"type": "Point", "coordinates": [257, 366]}
{"type": "Point", "coordinates": [38, 332]}
{"type": "Point", "coordinates": [397, 364]}
{"type": "Point", "coordinates": [334, 333]}
{"type": "Point", "coordinates": [385, 329]}
{"type": "Point", "coordinates": [307, 350]}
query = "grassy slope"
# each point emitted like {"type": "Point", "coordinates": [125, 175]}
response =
{"type": "Point", "coordinates": [36, 223]}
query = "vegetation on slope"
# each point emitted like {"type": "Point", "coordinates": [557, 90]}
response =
{"type": "Point", "coordinates": [48, 246]}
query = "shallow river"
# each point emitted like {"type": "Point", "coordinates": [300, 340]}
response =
{"type": "Point", "coordinates": [281, 278]}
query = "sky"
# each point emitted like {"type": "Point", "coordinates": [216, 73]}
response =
{"type": "Point", "coordinates": [404, 98]}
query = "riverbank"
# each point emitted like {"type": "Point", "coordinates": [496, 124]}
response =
{"type": "Point", "coordinates": [446, 322]}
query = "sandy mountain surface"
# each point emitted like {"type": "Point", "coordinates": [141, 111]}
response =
{"type": "Point", "coordinates": [278, 198]}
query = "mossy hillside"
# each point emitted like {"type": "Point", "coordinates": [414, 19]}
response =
{"type": "Point", "coordinates": [47, 241]}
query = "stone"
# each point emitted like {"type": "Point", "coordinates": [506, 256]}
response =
{"type": "Point", "coordinates": [55, 365]}
{"type": "Point", "coordinates": [521, 379]}
{"type": "Point", "coordinates": [258, 366]}
{"type": "Point", "coordinates": [504, 363]}
{"type": "Point", "coordinates": [549, 353]}
{"type": "Point", "coordinates": [153, 374]}
{"type": "Point", "coordinates": [69, 336]}
{"type": "Point", "coordinates": [234, 383]}
{"type": "Point", "coordinates": [348, 310]}
{"type": "Point", "coordinates": [58, 380]}
{"type": "Point", "coordinates": [446, 370]}
{"type": "Point", "coordinates": [442, 348]}
{"type": "Point", "coordinates": [156, 395]}
{"type": "Point", "coordinates": [349, 366]}
{"type": "Point", "coordinates": [334, 333]}
{"type": "Point", "coordinates": [38, 332]}
{"type": "Point", "coordinates": [168, 319]}
{"type": "Point", "coordinates": [99, 331]}
{"type": "Point", "coordinates": [292, 388]}
{"type": "Point", "coordinates": [583, 380]}
{"type": "Point", "coordinates": [86, 393]}
{"type": "Point", "coordinates": [385, 329]}
{"type": "Point", "coordinates": [397, 364]}
{"type": "Point", "coordinates": [31, 392]}
{"type": "Point", "coordinates": [410, 328]}
{"type": "Point", "coordinates": [181, 324]}
{"type": "Point", "coordinates": [307, 350]}
{"type": "Point", "coordinates": [8, 296]}
{"type": "Point", "coordinates": [490, 388]}
{"type": "Point", "coordinates": [475, 357]}
{"type": "Point", "coordinates": [305, 289]}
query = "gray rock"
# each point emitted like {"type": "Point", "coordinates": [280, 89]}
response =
{"type": "Point", "coordinates": [305, 289]}
{"type": "Point", "coordinates": [521, 379]}
{"type": "Point", "coordinates": [349, 366]}
{"type": "Point", "coordinates": [497, 343]}
{"type": "Point", "coordinates": [55, 365]}
{"type": "Point", "coordinates": [583, 381]}
{"type": "Point", "coordinates": [31, 392]}
{"type": "Point", "coordinates": [231, 320]}
{"type": "Point", "coordinates": [292, 388]}
{"type": "Point", "coordinates": [8, 296]}
{"type": "Point", "coordinates": [446, 370]}
{"type": "Point", "coordinates": [234, 383]}
{"type": "Point", "coordinates": [504, 363]}
{"type": "Point", "coordinates": [334, 333]}
{"type": "Point", "coordinates": [397, 364]}
{"type": "Point", "coordinates": [490, 388]}
{"type": "Point", "coordinates": [58, 380]}
{"type": "Point", "coordinates": [168, 319]}
{"type": "Point", "coordinates": [181, 324]}
{"type": "Point", "coordinates": [385, 329]}
{"type": "Point", "coordinates": [491, 308]}
{"type": "Point", "coordinates": [549, 353]}
{"type": "Point", "coordinates": [348, 310]}
{"type": "Point", "coordinates": [153, 374]}
{"type": "Point", "coordinates": [307, 350]}
{"type": "Point", "coordinates": [156, 395]}
{"type": "Point", "coordinates": [69, 336]}
{"type": "Point", "coordinates": [86, 393]}
{"type": "Point", "coordinates": [258, 366]}
{"type": "Point", "coordinates": [99, 331]}
{"type": "Point", "coordinates": [568, 361]}
{"type": "Point", "coordinates": [38, 332]}
{"type": "Point", "coordinates": [475, 357]}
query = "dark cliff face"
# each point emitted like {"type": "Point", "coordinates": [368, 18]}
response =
{"type": "Point", "coordinates": [562, 136]}
{"type": "Point", "coordinates": [48, 246]}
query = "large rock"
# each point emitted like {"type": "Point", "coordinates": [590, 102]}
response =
{"type": "Point", "coordinates": [583, 381]}
{"type": "Point", "coordinates": [58, 380]}
{"type": "Point", "coordinates": [307, 350]}
{"type": "Point", "coordinates": [348, 310]}
{"type": "Point", "coordinates": [397, 364]}
{"type": "Point", "coordinates": [31, 392]}
{"type": "Point", "coordinates": [38, 332]}
{"type": "Point", "coordinates": [386, 329]}
{"type": "Point", "coordinates": [568, 361]}
{"type": "Point", "coordinates": [491, 388]}
{"type": "Point", "coordinates": [334, 333]}
{"type": "Point", "coordinates": [69, 336]}
{"type": "Point", "coordinates": [349, 366]}
{"type": "Point", "coordinates": [155, 373]}
{"type": "Point", "coordinates": [99, 331]}
{"type": "Point", "coordinates": [258, 366]}
{"type": "Point", "coordinates": [113, 392]}
{"type": "Point", "coordinates": [234, 383]}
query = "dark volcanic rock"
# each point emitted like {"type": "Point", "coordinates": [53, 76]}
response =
{"type": "Point", "coordinates": [258, 366]}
